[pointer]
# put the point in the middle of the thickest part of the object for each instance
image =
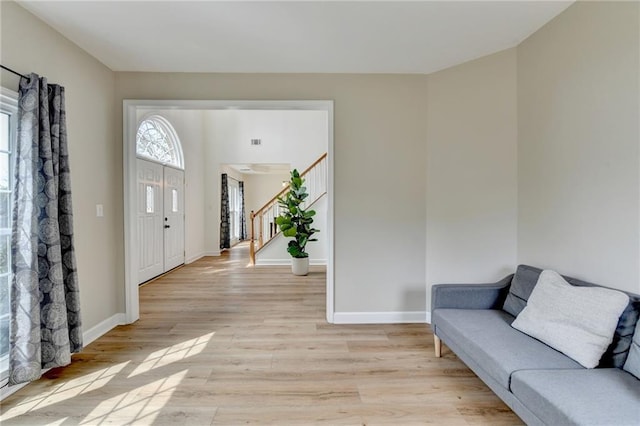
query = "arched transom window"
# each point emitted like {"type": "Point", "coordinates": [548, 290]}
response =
{"type": "Point", "coordinates": [156, 140]}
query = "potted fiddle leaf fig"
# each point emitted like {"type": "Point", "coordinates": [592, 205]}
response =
{"type": "Point", "coordinates": [296, 223]}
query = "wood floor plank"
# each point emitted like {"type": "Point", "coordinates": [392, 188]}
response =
{"type": "Point", "coordinates": [220, 343]}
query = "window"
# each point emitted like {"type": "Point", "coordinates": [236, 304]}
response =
{"type": "Point", "coordinates": [157, 141]}
{"type": "Point", "coordinates": [8, 110]}
{"type": "Point", "coordinates": [174, 200]}
{"type": "Point", "coordinates": [234, 210]}
{"type": "Point", "coordinates": [150, 204]}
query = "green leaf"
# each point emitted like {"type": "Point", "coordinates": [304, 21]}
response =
{"type": "Point", "coordinates": [289, 232]}
{"type": "Point", "coordinates": [285, 228]}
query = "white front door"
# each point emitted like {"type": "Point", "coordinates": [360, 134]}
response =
{"type": "Point", "coordinates": [160, 211]}
{"type": "Point", "coordinates": [150, 217]}
{"type": "Point", "coordinates": [173, 218]}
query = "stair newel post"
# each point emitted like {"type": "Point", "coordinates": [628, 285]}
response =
{"type": "Point", "coordinates": [261, 231]}
{"type": "Point", "coordinates": [252, 247]}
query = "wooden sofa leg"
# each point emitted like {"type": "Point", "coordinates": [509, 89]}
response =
{"type": "Point", "coordinates": [438, 344]}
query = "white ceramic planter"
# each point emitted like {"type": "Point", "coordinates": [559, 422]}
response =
{"type": "Point", "coordinates": [300, 266]}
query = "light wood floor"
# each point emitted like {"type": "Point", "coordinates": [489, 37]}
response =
{"type": "Point", "coordinates": [219, 343]}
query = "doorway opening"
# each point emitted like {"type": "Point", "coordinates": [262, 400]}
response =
{"type": "Point", "coordinates": [160, 198]}
{"type": "Point", "coordinates": [134, 109]}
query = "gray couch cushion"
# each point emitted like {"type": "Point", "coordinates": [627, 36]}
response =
{"type": "Point", "coordinates": [526, 278]}
{"type": "Point", "coordinates": [605, 396]}
{"type": "Point", "coordinates": [488, 337]}
{"type": "Point", "coordinates": [633, 360]}
{"type": "Point", "coordinates": [524, 281]}
{"type": "Point", "coordinates": [616, 354]}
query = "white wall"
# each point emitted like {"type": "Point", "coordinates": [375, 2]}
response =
{"type": "Point", "coordinates": [29, 45]}
{"type": "Point", "coordinates": [260, 188]}
{"type": "Point", "coordinates": [294, 137]}
{"type": "Point", "coordinates": [578, 153]}
{"type": "Point", "coordinates": [291, 137]}
{"type": "Point", "coordinates": [471, 172]}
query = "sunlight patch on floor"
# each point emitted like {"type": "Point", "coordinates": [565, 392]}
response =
{"type": "Point", "coordinates": [67, 390]}
{"type": "Point", "coordinates": [140, 405]}
{"type": "Point", "coordinates": [172, 354]}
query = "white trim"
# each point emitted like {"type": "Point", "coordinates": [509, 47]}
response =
{"type": "Point", "coordinates": [428, 317]}
{"type": "Point", "coordinates": [330, 224]}
{"type": "Point", "coordinates": [199, 256]}
{"type": "Point", "coordinates": [380, 317]}
{"type": "Point", "coordinates": [283, 262]}
{"type": "Point", "coordinates": [10, 98]}
{"type": "Point", "coordinates": [9, 106]}
{"type": "Point", "coordinates": [129, 128]}
{"type": "Point", "coordinates": [10, 390]}
{"type": "Point", "coordinates": [192, 259]}
{"type": "Point", "coordinates": [102, 328]}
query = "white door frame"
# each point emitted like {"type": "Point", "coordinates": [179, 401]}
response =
{"type": "Point", "coordinates": [130, 122]}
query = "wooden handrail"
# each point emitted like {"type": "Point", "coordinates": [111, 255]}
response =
{"type": "Point", "coordinates": [271, 204]}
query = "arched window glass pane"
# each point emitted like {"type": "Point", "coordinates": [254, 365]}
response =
{"type": "Point", "coordinates": [155, 141]}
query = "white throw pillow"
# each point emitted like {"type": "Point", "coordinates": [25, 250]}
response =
{"type": "Point", "coordinates": [577, 321]}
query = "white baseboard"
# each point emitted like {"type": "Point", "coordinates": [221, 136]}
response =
{"type": "Point", "coordinates": [7, 391]}
{"type": "Point", "coordinates": [287, 262]}
{"type": "Point", "coordinates": [380, 317]}
{"type": "Point", "coordinates": [105, 326]}
{"type": "Point", "coordinates": [428, 317]}
{"type": "Point", "coordinates": [193, 258]}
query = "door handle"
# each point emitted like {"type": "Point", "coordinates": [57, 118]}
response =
{"type": "Point", "coordinates": [167, 226]}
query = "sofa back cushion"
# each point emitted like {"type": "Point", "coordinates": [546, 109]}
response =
{"type": "Point", "coordinates": [522, 285]}
{"type": "Point", "coordinates": [525, 280]}
{"type": "Point", "coordinates": [618, 350]}
{"type": "Point", "coordinates": [632, 365]}
{"type": "Point", "coordinates": [578, 321]}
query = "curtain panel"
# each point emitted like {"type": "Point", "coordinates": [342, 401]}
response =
{"type": "Point", "coordinates": [45, 302]}
{"type": "Point", "coordinates": [243, 219]}
{"type": "Point", "coordinates": [225, 218]}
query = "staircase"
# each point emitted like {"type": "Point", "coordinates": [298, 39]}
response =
{"type": "Point", "coordinates": [263, 221]}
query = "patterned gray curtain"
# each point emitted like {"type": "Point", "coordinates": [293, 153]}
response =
{"type": "Point", "coordinates": [225, 218]}
{"type": "Point", "coordinates": [243, 219]}
{"type": "Point", "coordinates": [45, 303]}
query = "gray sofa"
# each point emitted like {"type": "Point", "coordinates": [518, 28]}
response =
{"type": "Point", "coordinates": [540, 384]}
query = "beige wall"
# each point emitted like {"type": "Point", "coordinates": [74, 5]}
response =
{"type": "Point", "coordinates": [260, 188]}
{"type": "Point", "coordinates": [379, 152]}
{"type": "Point", "coordinates": [578, 153]}
{"type": "Point", "coordinates": [437, 150]}
{"type": "Point", "coordinates": [29, 45]}
{"type": "Point", "coordinates": [471, 171]}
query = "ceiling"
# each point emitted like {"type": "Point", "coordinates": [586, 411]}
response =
{"type": "Point", "coordinates": [261, 169]}
{"type": "Point", "coordinates": [293, 36]}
